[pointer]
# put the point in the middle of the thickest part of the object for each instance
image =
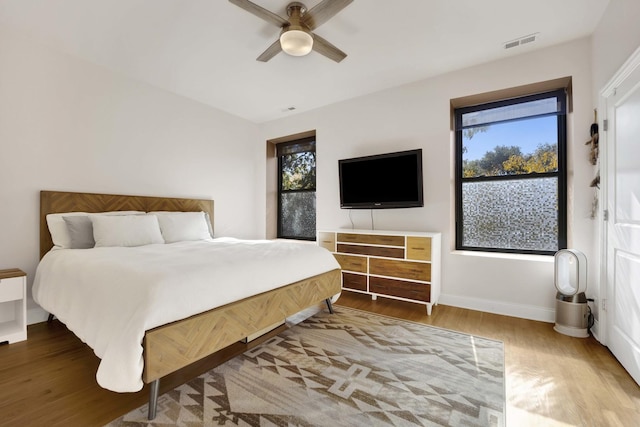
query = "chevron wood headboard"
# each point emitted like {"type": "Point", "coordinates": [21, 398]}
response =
{"type": "Point", "coordinates": [62, 201]}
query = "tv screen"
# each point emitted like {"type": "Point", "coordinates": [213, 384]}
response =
{"type": "Point", "coordinates": [392, 180]}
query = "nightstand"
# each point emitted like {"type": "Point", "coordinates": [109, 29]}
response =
{"type": "Point", "coordinates": [13, 306]}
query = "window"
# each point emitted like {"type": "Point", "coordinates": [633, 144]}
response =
{"type": "Point", "coordinates": [297, 189]}
{"type": "Point", "coordinates": [511, 175]}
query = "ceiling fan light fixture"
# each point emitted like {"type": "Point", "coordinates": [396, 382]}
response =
{"type": "Point", "coordinates": [296, 42]}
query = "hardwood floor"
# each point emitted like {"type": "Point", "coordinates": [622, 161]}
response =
{"type": "Point", "coordinates": [551, 379]}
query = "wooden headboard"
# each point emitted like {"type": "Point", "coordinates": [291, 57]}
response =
{"type": "Point", "coordinates": [61, 201]}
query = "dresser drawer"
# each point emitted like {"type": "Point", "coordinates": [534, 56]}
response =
{"type": "Point", "coordinates": [11, 289]}
{"type": "Point", "coordinates": [327, 241]}
{"type": "Point", "coordinates": [402, 269]}
{"type": "Point", "coordinates": [352, 263]}
{"type": "Point", "coordinates": [371, 250]}
{"type": "Point", "coordinates": [419, 248]}
{"type": "Point", "coordinates": [354, 281]}
{"type": "Point", "coordinates": [371, 239]}
{"type": "Point", "coordinates": [400, 288]}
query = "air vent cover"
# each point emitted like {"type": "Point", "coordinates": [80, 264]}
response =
{"type": "Point", "coordinates": [521, 40]}
{"type": "Point", "coordinates": [509, 45]}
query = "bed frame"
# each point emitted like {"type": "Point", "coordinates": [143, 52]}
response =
{"type": "Point", "coordinates": [173, 346]}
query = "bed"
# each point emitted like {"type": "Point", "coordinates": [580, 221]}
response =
{"type": "Point", "coordinates": [175, 342]}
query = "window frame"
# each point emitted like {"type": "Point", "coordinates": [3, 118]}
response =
{"type": "Point", "coordinates": [279, 146]}
{"type": "Point", "coordinates": [561, 174]}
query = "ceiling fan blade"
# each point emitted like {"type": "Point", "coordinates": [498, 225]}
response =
{"type": "Point", "coordinates": [325, 48]}
{"type": "Point", "coordinates": [271, 51]}
{"type": "Point", "coordinates": [260, 12]}
{"type": "Point", "coordinates": [323, 11]}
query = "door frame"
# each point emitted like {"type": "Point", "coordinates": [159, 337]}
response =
{"type": "Point", "coordinates": [629, 66]}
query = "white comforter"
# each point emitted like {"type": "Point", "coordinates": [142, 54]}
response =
{"type": "Point", "coordinates": [109, 297]}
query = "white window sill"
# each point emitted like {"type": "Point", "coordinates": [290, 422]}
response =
{"type": "Point", "coordinates": [500, 255]}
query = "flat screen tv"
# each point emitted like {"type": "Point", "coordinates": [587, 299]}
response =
{"type": "Point", "coordinates": [391, 180]}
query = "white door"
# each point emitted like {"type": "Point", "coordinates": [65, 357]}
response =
{"type": "Point", "coordinates": [622, 198]}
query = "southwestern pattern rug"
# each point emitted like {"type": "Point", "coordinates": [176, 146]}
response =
{"type": "Point", "coordinates": [351, 368]}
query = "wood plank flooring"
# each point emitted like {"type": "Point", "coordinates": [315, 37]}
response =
{"type": "Point", "coordinates": [551, 379]}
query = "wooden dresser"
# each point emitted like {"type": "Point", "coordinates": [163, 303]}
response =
{"type": "Point", "coordinates": [394, 264]}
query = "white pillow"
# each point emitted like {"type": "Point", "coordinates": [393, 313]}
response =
{"type": "Point", "coordinates": [183, 226]}
{"type": "Point", "coordinates": [126, 230]}
{"type": "Point", "coordinates": [59, 231]}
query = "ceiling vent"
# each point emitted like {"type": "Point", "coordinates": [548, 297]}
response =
{"type": "Point", "coordinates": [521, 40]}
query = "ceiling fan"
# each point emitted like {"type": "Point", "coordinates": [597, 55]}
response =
{"type": "Point", "coordinates": [297, 37]}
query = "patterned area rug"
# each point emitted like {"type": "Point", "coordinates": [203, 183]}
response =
{"type": "Point", "coordinates": [351, 368]}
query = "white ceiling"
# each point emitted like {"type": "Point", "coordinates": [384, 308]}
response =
{"type": "Point", "coordinates": [206, 49]}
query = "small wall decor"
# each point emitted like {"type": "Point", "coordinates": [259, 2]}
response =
{"type": "Point", "coordinates": [593, 142]}
{"type": "Point", "coordinates": [594, 153]}
{"type": "Point", "coordinates": [594, 206]}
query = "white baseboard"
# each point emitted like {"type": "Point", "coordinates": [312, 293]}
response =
{"type": "Point", "coordinates": [523, 311]}
{"type": "Point", "coordinates": [36, 315]}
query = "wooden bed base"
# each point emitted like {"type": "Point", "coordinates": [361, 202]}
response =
{"type": "Point", "coordinates": [171, 347]}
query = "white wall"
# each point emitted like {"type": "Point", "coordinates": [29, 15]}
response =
{"type": "Point", "coordinates": [418, 116]}
{"type": "Point", "coordinates": [69, 125]}
{"type": "Point", "coordinates": [615, 39]}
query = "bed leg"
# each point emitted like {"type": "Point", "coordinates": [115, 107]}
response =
{"type": "Point", "coordinates": [50, 318]}
{"type": "Point", "coordinates": [329, 305]}
{"type": "Point", "coordinates": [153, 398]}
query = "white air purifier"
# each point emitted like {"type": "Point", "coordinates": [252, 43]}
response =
{"type": "Point", "coordinates": [572, 308]}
